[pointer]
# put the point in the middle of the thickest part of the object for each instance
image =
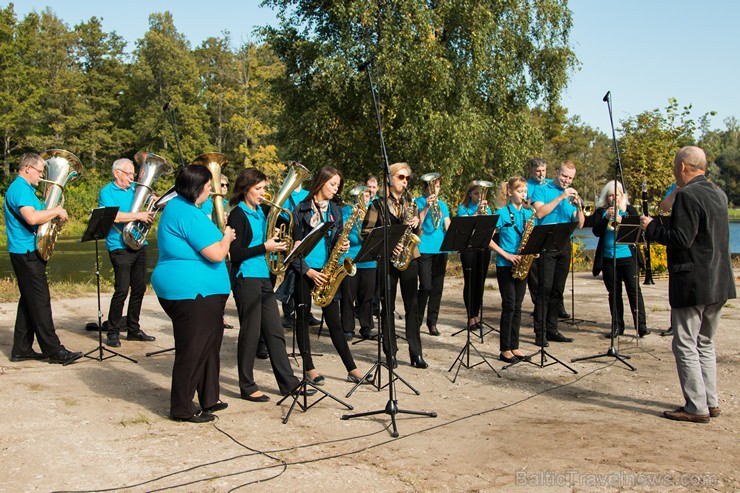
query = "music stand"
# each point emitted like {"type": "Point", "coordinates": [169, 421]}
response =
{"type": "Point", "coordinates": [306, 245]}
{"type": "Point", "coordinates": [573, 321]}
{"type": "Point", "coordinates": [101, 220]}
{"type": "Point", "coordinates": [469, 233]}
{"type": "Point", "coordinates": [548, 238]}
{"type": "Point", "coordinates": [372, 249]}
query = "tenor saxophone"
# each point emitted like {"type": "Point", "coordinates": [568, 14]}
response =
{"type": "Point", "coordinates": [334, 271]}
{"type": "Point", "coordinates": [521, 270]}
{"type": "Point", "coordinates": [409, 241]}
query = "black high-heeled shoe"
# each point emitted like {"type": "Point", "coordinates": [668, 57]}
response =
{"type": "Point", "coordinates": [418, 362]}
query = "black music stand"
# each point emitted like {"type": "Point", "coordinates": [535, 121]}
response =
{"type": "Point", "coordinates": [101, 220]}
{"type": "Point", "coordinates": [573, 321]}
{"type": "Point", "coordinates": [372, 249]}
{"type": "Point", "coordinates": [548, 238]}
{"type": "Point", "coordinates": [305, 246]}
{"type": "Point", "coordinates": [469, 233]}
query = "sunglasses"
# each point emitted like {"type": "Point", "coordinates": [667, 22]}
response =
{"type": "Point", "coordinates": [403, 177]}
{"type": "Point", "coordinates": [225, 185]}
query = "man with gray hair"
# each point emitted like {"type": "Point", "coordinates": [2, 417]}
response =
{"type": "Point", "coordinates": [700, 280]}
{"type": "Point", "coordinates": [129, 266]}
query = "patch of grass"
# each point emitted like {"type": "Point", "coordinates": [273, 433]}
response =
{"type": "Point", "coordinates": [141, 419]}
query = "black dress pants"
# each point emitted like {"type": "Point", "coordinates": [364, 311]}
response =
{"type": "Point", "coordinates": [302, 296]}
{"type": "Point", "coordinates": [628, 275]}
{"type": "Point", "coordinates": [358, 290]}
{"type": "Point", "coordinates": [198, 327]}
{"type": "Point", "coordinates": [34, 317]}
{"type": "Point", "coordinates": [432, 268]}
{"type": "Point", "coordinates": [475, 268]}
{"type": "Point", "coordinates": [553, 269]}
{"type": "Point", "coordinates": [129, 267]}
{"type": "Point", "coordinates": [512, 293]}
{"type": "Point", "coordinates": [408, 280]}
{"type": "Point", "coordinates": [259, 316]}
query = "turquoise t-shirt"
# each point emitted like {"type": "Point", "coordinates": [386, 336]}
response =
{"type": "Point", "coordinates": [623, 251]}
{"type": "Point", "coordinates": [182, 273]}
{"type": "Point", "coordinates": [255, 266]}
{"type": "Point", "coordinates": [316, 258]}
{"type": "Point", "coordinates": [469, 210]}
{"type": "Point", "coordinates": [431, 238]}
{"type": "Point", "coordinates": [511, 223]}
{"type": "Point", "coordinates": [355, 242]}
{"type": "Point", "coordinates": [533, 185]}
{"type": "Point", "coordinates": [20, 194]}
{"type": "Point", "coordinates": [562, 213]}
{"type": "Point", "coordinates": [114, 196]}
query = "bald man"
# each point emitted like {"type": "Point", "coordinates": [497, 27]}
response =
{"type": "Point", "coordinates": [700, 282]}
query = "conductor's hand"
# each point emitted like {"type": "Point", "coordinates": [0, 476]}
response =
{"type": "Point", "coordinates": [316, 276]}
{"type": "Point", "coordinates": [274, 245]}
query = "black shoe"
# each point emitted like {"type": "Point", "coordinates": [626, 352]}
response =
{"type": "Point", "coordinates": [219, 406]}
{"type": "Point", "coordinates": [92, 327]}
{"type": "Point", "coordinates": [563, 314]}
{"type": "Point", "coordinates": [368, 334]}
{"type": "Point", "coordinates": [320, 380]}
{"type": "Point", "coordinates": [63, 357]}
{"type": "Point", "coordinates": [394, 362]}
{"type": "Point", "coordinates": [668, 332]}
{"type": "Point", "coordinates": [540, 342]}
{"type": "Point", "coordinates": [228, 326]}
{"type": "Point", "coordinates": [433, 330]}
{"type": "Point", "coordinates": [113, 340]}
{"type": "Point", "coordinates": [305, 391]}
{"type": "Point", "coordinates": [418, 362]}
{"type": "Point", "coordinates": [262, 398]}
{"type": "Point", "coordinates": [513, 359]}
{"type": "Point", "coordinates": [139, 335]}
{"type": "Point", "coordinates": [558, 337]}
{"type": "Point", "coordinates": [349, 336]}
{"type": "Point", "coordinates": [354, 379]}
{"type": "Point", "coordinates": [609, 335]}
{"type": "Point", "coordinates": [201, 417]}
{"type": "Point", "coordinates": [643, 332]}
{"type": "Point", "coordinates": [287, 322]}
{"type": "Point", "coordinates": [33, 355]}
{"type": "Point", "coordinates": [263, 355]}
{"type": "Point", "coordinates": [313, 321]}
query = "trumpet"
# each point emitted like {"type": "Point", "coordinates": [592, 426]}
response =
{"type": "Point", "coordinates": [577, 201]}
{"type": "Point", "coordinates": [484, 186]}
{"type": "Point", "coordinates": [430, 179]}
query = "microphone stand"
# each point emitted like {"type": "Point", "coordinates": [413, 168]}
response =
{"type": "Point", "coordinates": [391, 407]}
{"type": "Point", "coordinates": [612, 352]}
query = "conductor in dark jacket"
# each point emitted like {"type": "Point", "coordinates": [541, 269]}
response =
{"type": "Point", "coordinates": [701, 281]}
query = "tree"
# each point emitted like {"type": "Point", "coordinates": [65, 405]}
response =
{"type": "Point", "coordinates": [727, 158]}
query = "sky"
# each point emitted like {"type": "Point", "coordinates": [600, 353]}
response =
{"type": "Point", "coordinates": [641, 51]}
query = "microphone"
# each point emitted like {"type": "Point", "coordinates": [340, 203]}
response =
{"type": "Point", "coordinates": [607, 96]}
{"type": "Point", "coordinates": [166, 106]}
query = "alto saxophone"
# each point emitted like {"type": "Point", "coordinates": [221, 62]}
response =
{"type": "Point", "coordinates": [521, 270]}
{"type": "Point", "coordinates": [324, 294]}
{"type": "Point", "coordinates": [409, 241]}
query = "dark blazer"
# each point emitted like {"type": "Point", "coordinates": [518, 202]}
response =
{"type": "Point", "coordinates": [599, 229]}
{"type": "Point", "coordinates": [239, 251]}
{"type": "Point", "coordinates": [698, 241]}
{"type": "Point", "coordinates": [302, 226]}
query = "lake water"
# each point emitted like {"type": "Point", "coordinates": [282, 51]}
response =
{"type": "Point", "coordinates": [73, 261]}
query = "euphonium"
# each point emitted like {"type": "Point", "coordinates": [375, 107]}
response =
{"type": "Point", "coordinates": [62, 167]}
{"type": "Point", "coordinates": [409, 240]}
{"type": "Point", "coordinates": [334, 271]}
{"type": "Point", "coordinates": [430, 179]}
{"type": "Point", "coordinates": [297, 174]}
{"type": "Point", "coordinates": [214, 161]}
{"type": "Point", "coordinates": [521, 270]}
{"type": "Point", "coordinates": [484, 186]}
{"type": "Point", "coordinates": [151, 167]}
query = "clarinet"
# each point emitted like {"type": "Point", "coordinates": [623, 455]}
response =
{"type": "Point", "coordinates": [646, 212]}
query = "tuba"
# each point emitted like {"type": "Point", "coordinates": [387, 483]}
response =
{"type": "Point", "coordinates": [62, 167]}
{"type": "Point", "coordinates": [151, 167]}
{"type": "Point", "coordinates": [297, 174]}
{"type": "Point", "coordinates": [484, 186]}
{"type": "Point", "coordinates": [214, 161]}
{"type": "Point", "coordinates": [431, 178]}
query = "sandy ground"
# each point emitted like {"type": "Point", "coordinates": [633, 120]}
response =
{"type": "Point", "coordinates": [103, 426]}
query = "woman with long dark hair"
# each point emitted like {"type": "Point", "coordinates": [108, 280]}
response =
{"type": "Point", "coordinates": [319, 206]}
{"type": "Point", "coordinates": [253, 291]}
{"type": "Point", "coordinates": [192, 285]}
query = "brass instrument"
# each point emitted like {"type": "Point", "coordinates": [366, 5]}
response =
{"type": "Point", "coordinates": [356, 195]}
{"type": "Point", "coordinates": [214, 161]}
{"type": "Point", "coordinates": [151, 167]}
{"type": "Point", "coordinates": [334, 271]}
{"type": "Point", "coordinates": [521, 270]}
{"type": "Point", "coordinates": [431, 178]}
{"type": "Point", "coordinates": [297, 174]}
{"type": "Point", "coordinates": [62, 167]}
{"type": "Point", "coordinates": [484, 186]}
{"type": "Point", "coordinates": [409, 240]}
{"type": "Point", "coordinates": [586, 210]}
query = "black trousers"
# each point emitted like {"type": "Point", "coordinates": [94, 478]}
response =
{"type": "Point", "coordinates": [475, 268]}
{"type": "Point", "coordinates": [432, 269]}
{"type": "Point", "coordinates": [408, 280]}
{"type": "Point", "coordinates": [259, 316]}
{"type": "Point", "coordinates": [129, 267]}
{"type": "Point", "coordinates": [302, 295]}
{"type": "Point", "coordinates": [512, 293]}
{"type": "Point", "coordinates": [553, 269]}
{"type": "Point", "coordinates": [628, 275]}
{"type": "Point", "coordinates": [198, 327]}
{"type": "Point", "coordinates": [33, 318]}
{"type": "Point", "coordinates": [358, 290]}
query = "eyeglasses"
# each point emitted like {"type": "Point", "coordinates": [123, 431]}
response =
{"type": "Point", "coordinates": [127, 173]}
{"type": "Point", "coordinates": [403, 177]}
{"type": "Point", "coordinates": [39, 171]}
{"type": "Point", "coordinates": [224, 185]}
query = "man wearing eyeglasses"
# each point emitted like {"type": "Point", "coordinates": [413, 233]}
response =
{"type": "Point", "coordinates": [24, 213]}
{"type": "Point", "coordinates": [129, 266]}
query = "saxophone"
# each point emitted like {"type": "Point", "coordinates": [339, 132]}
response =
{"type": "Point", "coordinates": [520, 271]}
{"type": "Point", "coordinates": [409, 241]}
{"type": "Point", "coordinates": [324, 294]}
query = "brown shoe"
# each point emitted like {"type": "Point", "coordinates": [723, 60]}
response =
{"type": "Point", "coordinates": [714, 412]}
{"type": "Point", "coordinates": [681, 415]}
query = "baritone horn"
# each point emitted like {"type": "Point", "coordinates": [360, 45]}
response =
{"type": "Point", "coordinates": [484, 186]}
{"type": "Point", "coordinates": [62, 167]}
{"type": "Point", "coordinates": [430, 179]}
{"type": "Point", "coordinates": [151, 167]}
{"type": "Point", "coordinates": [297, 174]}
{"type": "Point", "coordinates": [215, 161]}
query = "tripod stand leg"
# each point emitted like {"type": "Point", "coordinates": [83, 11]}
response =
{"type": "Point", "coordinates": [153, 353]}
